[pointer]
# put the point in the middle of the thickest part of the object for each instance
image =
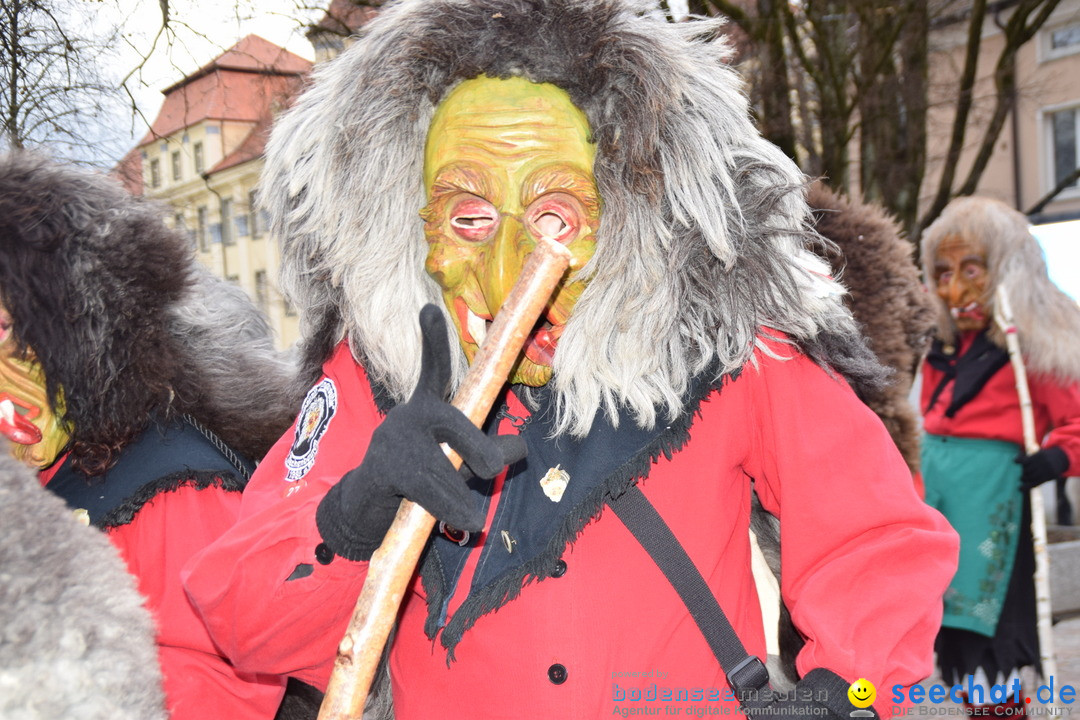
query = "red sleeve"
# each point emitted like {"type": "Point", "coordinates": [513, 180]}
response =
{"type": "Point", "coordinates": [864, 561]}
{"type": "Point", "coordinates": [165, 533]}
{"type": "Point", "coordinates": [1058, 407]}
{"type": "Point", "coordinates": [259, 617]}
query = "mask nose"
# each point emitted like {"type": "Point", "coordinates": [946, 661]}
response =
{"type": "Point", "coordinates": [504, 261]}
{"type": "Point", "coordinates": [952, 292]}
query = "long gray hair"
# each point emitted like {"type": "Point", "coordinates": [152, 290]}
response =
{"type": "Point", "coordinates": [1047, 320]}
{"type": "Point", "coordinates": [703, 237]}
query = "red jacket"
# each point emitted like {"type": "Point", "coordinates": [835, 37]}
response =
{"type": "Point", "coordinates": [199, 683]}
{"type": "Point", "coordinates": [994, 414]}
{"type": "Point", "coordinates": [865, 564]}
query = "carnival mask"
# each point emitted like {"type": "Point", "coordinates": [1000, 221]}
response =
{"type": "Point", "coordinates": [506, 162]}
{"type": "Point", "coordinates": [962, 281]}
{"type": "Point", "coordinates": [26, 419]}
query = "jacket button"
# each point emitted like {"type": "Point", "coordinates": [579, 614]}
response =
{"type": "Point", "coordinates": [324, 554]}
{"type": "Point", "coordinates": [560, 569]}
{"type": "Point", "coordinates": [557, 674]}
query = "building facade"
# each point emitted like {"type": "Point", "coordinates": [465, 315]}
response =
{"type": "Point", "coordinates": [203, 155]}
{"type": "Point", "coordinates": [1039, 144]}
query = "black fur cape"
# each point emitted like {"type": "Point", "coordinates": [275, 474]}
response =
{"type": "Point", "coordinates": [126, 325]}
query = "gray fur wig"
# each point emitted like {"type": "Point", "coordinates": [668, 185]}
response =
{"type": "Point", "coordinates": [704, 233]}
{"type": "Point", "coordinates": [126, 325]}
{"type": "Point", "coordinates": [1047, 320]}
{"type": "Point", "coordinates": [75, 639]}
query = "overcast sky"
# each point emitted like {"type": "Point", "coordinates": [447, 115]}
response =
{"type": "Point", "coordinates": [201, 30]}
{"type": "Point", "coordinates": [1061, 243]}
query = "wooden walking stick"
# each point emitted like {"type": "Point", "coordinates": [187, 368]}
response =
{"type": "Point", "coordinates": [1004, 318]}
{"type": "Point", "coordinates": [392, 565]}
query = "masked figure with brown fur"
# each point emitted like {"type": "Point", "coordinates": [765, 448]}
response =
{"type": "Point", "coordinates": [141, 388]}
{"type": "Point", "coordinates": [973, 463]}
{"type": "Point", "coordinates": [694, 346]}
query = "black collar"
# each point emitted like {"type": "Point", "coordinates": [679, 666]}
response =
{"type": "Point", "coordinates": [969, 372]}
{"type": "Point", "coordinates": [602, 465]}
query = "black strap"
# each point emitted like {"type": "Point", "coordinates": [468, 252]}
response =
{"type": "Point", "coordinates": [747, 675]}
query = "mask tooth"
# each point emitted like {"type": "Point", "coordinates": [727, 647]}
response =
{"type": "Point", "coordinates": [477, 327]}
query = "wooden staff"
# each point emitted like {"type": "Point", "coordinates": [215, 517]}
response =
{"type": "Point", "coordinates": [392, 565]}
{"type": "Point", "coordinates": [1004, 318]}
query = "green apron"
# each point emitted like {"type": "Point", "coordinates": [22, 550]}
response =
{"type": "Point", "coordinates": [976, 486]}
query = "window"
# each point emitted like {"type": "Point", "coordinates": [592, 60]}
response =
{"type": "Point", "coordinates": [1060, 41]}
{"type": "Point", "coordinates": [155, 173]}
{"type": "Point", "coordinates": [1063, 145]}
{"type": "Point", "coordinates": [262, 292]}
{"type": "Point", "coordinates": [228, 236]}
{"type": "Point", "coordinates": [200, 165]}
{"type": "Point", "coordinates": [176, 165]}
{"type": "Point", "coordinates": [202, 228]}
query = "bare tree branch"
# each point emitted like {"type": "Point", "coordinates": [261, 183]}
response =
{"type": "Point", "coordinates": [1046, 199]}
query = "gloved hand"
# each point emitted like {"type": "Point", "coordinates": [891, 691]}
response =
{"type": "Point", "coordinates": [821, 694]}
{"type": "Point", "coordinates": [404, 460]}
{"type": "Point", "coordinates": [1046, 464]}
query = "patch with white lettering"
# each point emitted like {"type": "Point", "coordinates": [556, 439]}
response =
{"type": "Point", "coordinates": [311, 424]}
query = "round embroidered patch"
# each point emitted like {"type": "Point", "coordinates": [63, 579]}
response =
{"type": "Point", "coordinates": [315, 414]}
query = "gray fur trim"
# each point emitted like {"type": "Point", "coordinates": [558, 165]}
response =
{"type": "Point", "coordinates": [75, 639]}
{"type": "Point", "coordinates": [704, 235]}
{"type": "Point", "coordinates": [245, 388]}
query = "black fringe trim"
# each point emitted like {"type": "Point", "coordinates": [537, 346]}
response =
{"type": "Point", "coordinates": [384, 400]}
{"type": "Point", "coordinates": [670, 441]}
{"type": "Point", "coordinates": [126, 511]}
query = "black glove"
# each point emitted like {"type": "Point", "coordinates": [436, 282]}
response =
{"type": "Point", "coordinates": [404, 460]}
{"type": "Point", "coordinates": [1046, 464]}
{"type": "Point", "coordinates": [821, 694]}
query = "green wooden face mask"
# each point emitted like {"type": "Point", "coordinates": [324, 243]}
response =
{"type": "Point", "coordinates": [506, 162]}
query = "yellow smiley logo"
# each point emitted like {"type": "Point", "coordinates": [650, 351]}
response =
{"type": "Point", "coordinates": [862, 693]}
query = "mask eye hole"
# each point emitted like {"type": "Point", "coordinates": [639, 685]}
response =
{"type": "Point", "coordinates": [556, 215]}
{"type": "Point", "coordinates": [473, 218]}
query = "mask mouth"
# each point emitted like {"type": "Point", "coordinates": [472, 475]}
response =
{"type": "Point", "coordinates": [972, 311]}
{"type": "Point", "coordinates": [539, 346]}
{"type": "Point", "coordinates": [15, 427]}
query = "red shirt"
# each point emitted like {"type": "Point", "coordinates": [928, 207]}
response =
{"type": "Point", "coordinates": [865, 564]}
{"type": "Point", "coordinates": [994, 414]}
{"type": "Point", "coordinates": [198, 682]}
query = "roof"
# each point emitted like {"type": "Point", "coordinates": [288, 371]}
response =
{"type": "Point", "coordinates": [251, 54]}
{"type": "Point", "coordinates": [251, 148]}
{"type": "Point", "coordinates": [241, 85]}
